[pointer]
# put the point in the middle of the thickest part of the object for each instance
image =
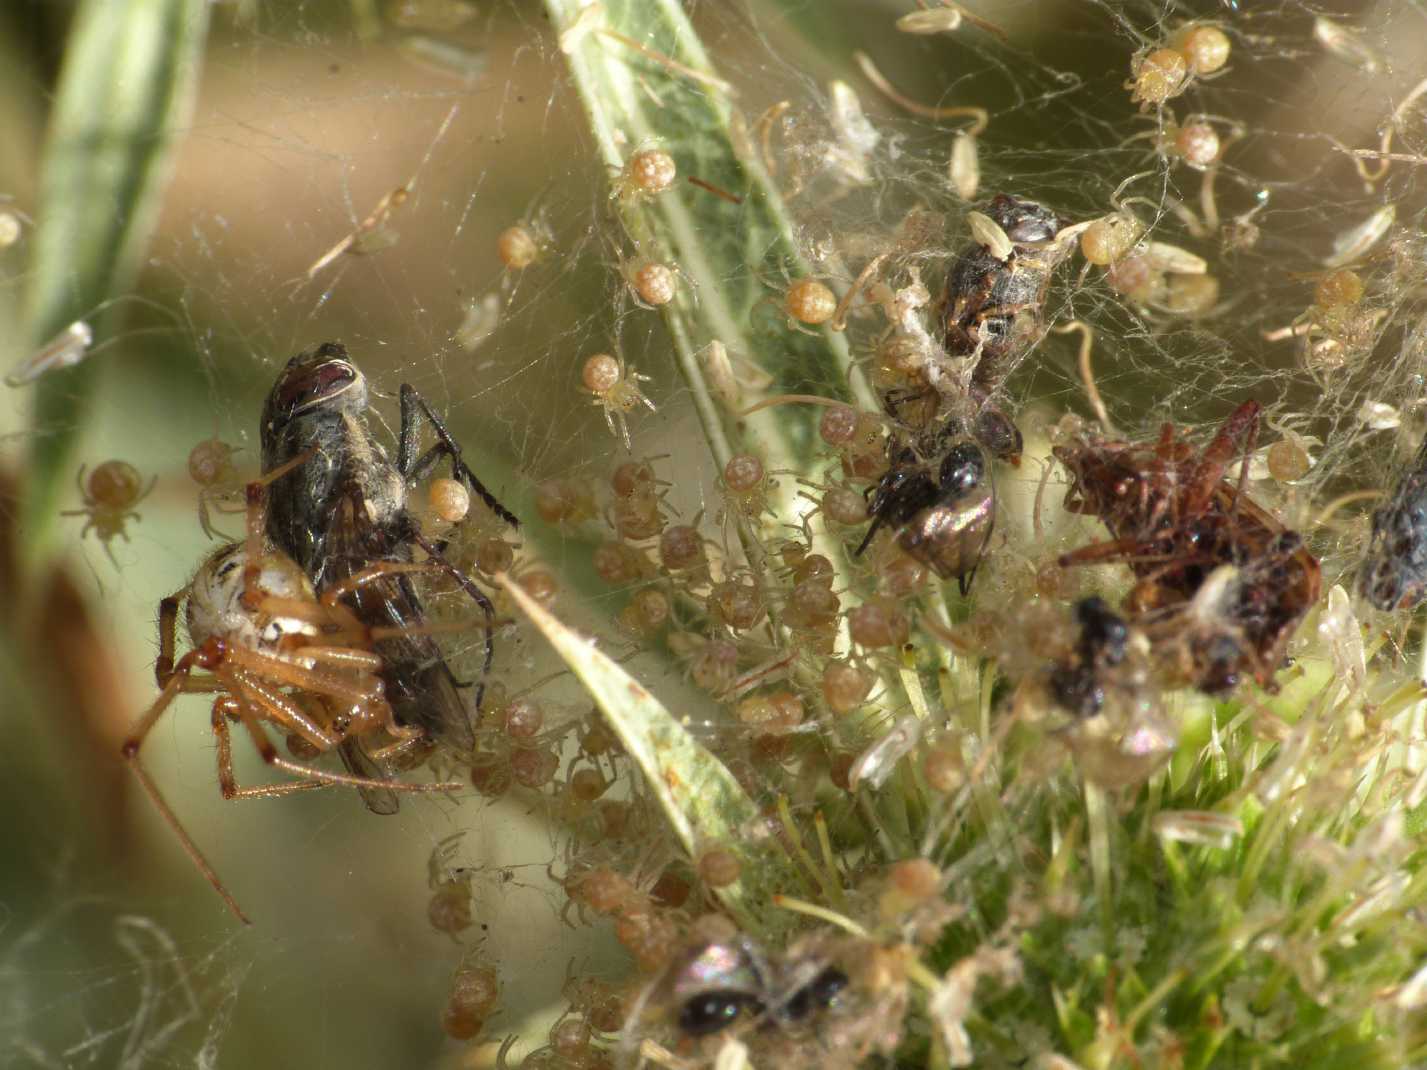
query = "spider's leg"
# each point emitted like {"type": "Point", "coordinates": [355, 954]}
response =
{"type": "Point", "coordinates": [250, 718]}
{"type": "Point", "coordinates": [168, 625]}
{"type": "Point", "coordinates": [178, 681]}
{"type": "Point", "coordinates": [223, 707]}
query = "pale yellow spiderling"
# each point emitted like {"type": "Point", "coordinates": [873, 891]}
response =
{"type": "Point", "coordinates": [1157, 76]}
{"type": "Point", "coordinates": [649, 172]}
{"type": "Point", "coordinates": [517, 247]}
{"type": "Point", "coordinates": [616, 389]}
{"type": "Point", "coordinates": [110, 493]}
{"type": "Point", "coordinates": [810, 302]}
{"type": "Point", "coordinates": [1191, 294]}
{"type": "Point", "coordinates": [653, 283]}
{"type": "Point", "coordinates": [1197, 144]}
{"type": "Point", "coordinates": [1110, 238]}
{"type": "Point", "coordinates": [449, 500]}
{"type": "Point", "coordinates": [210, 465]}
{"type": "Point", "coordinates": [1205, 48]}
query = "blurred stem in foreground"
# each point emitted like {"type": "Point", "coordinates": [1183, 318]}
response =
{"type": "Point", "coordinates": [126, 91]}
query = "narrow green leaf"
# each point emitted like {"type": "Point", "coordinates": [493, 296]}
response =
{"type": "Point", "coordinates": [125, 93]}
{"type": "Point", "coordinates": [645, 80]}
{"type": "Point", "coordinates": [703, 802]}
{"type": "Point", "coordinates": [735, 258]}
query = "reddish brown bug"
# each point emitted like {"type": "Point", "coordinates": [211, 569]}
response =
{"type": "Point", "coordinates": [1222, 584]}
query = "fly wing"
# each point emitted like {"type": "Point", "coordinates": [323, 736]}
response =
{"type": "Point", "coordinates": [301, 505]}
{"type": "Point", "coordinates": [419, 684]}
{"type": "Point", "coordinates": [359, 763]}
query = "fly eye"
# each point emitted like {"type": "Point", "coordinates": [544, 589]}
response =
{"type": "Point", "coordinates": [711, 1012]}
{"type": "Point", "coordinates": [315, 383]}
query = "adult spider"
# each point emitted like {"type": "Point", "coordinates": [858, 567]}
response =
{"type": "Point", "coordinates": [942, 498]}
{"type": "Point", "coordinates": [1216, 571]}
{"type": "Point", "coordinates": [276, 654]}
{"type": "Point", "coordinates": [344, 507]}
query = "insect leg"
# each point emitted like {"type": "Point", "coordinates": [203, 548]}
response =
{"type": "Point", "coordinates": [413, 410]}
{"type": "Point", "coordinates": [479, 596]}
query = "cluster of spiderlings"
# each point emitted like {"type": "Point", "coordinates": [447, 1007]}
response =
{"type": "Point", "coordinates": [1159, 74]}
{"type": "Point", "coordinates": [811, 607]}
{"type": "Point", "coordinates": [517, 744]}
{"type": "Point", "coordinates": [801, 651]}
{"type": "Point", "coordinates": [646, 930]}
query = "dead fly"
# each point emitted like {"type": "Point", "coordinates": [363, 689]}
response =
{"type": "Point", "coordinates": [990, 312]}
{"type": "Point", "coordinates": [1216, 571]}
{"type": "Point", "coordinates": [1394, 570]}
{"type": "Point", "coordinates": [995, 289]}
{"type": "Point", "coordinates": [345, 508]}
{"type": "Point", "coordinates": [941, 497]}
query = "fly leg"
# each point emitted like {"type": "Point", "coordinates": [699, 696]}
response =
{"type": "Point", "coordinates": [414, 409]}
{"type": "Point", "coordinates": [477, 595]}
